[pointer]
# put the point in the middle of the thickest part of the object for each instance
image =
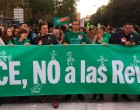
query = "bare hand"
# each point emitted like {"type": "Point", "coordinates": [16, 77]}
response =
{"type": "Point", "coordinates": [127, 43]}
{"type": "Point", "coordinates": [104, 44]}
{"type": "Point", "coordinates": [133, 43]}
{"type": "Point", "coordinates": [83, 43]}
{"type": "Point", "coordinates": [65, 44]}
{"type": "Point", "coordinates": [27, 43]}
{"type": "Point", "coordinates": [11, 44]}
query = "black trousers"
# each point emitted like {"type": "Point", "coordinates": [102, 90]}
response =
{"type": "Point", "coordinates": [100, 96]}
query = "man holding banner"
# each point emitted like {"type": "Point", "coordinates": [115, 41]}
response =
{"type": "Point", "coordinates": [46, 39]}
{"type": "Point", "coordinates": [126, 38]}
{"type": "Point", "coordinates": [75, 37]}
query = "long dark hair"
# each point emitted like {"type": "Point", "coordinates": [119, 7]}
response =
{"type": "Point", "coordinates": [1, 33]}
{"type": "Point", "coordinates": [5, 37]}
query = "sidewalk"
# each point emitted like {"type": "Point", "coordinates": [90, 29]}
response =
{"type": "Point", "coordinates": [73, 105]}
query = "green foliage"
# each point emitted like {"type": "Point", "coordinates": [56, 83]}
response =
{"type": "Point", "coordinates": [117, 12]}
{"type": "Point", "coordinates": [39, 9]}
{"type": "Point", "coordinates": [66, 8]}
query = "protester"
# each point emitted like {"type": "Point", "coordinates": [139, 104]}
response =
{"type": "Point", "coordinates": [31, 34]}
{"type": "Point", "coordinates": [46, 39]}
{"type": "Point", "coordinates": [135, 29]}
{"type": "Point", "coordinates": [15, 32]}
{"type": "Point", "coordinates": [98, 39]}
{"type": "Point", "coordinates": [127, 38]}
{"type": "Point", "coordinates": [105, 34]}
{"type": "Point", "coordinates": [75, 37]}
{"type": "Point", "coordinates": [57, 35]}
{"type": "Point", "coordinates": [90, 34]}
{"type": "Point", "coordinates": [63, 30]}
{"type": "Point", "coordinates": [50, 27]}
{"type": "Point", "coordinates": [70, 28]}
{"type": "Point", "coordinates": [22, 37]}
{"type": "Point", "coordinates": [1, 41]}
{"type": "Point", "coordinates": [7, 35]}
{"type": "Point", "coordinates": [81, 29]}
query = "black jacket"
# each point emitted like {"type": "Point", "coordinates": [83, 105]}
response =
{"type": "Point", "coordinates": [120, 38]}
{"type": "Point", "coordinates": [45, 40]}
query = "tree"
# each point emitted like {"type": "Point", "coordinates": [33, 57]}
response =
{"type": "Point", "coordinates": [66, 8]}
{"type": "Point", "coordinates": [48, 9]}
{"type": "Point", "coordinates": [117, 12]}
{"type": "Point", "coordinates": [39, 9]}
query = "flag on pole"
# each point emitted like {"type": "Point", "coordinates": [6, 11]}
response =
{"type": "Point", "coordinates": [89, 26]}
{"type": "Point", "coordinates": [61, 21]}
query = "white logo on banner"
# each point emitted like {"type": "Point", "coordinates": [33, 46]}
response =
{"type": "Point", "coordinates": [4, 57]}
{"type": "Point", "coordinates": [70, 59]}
{"type": "Point", "coordinates": [53, 55]}
{"type": "Point", "coordinates": [36, 88]}
{"type": "Point", "coordinates": [102, 60]}
{"type": "Point", "coordinates": [136, 61]}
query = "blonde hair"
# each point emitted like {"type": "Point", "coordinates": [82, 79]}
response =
{"type": "Point", "coordinates": [97, 31]}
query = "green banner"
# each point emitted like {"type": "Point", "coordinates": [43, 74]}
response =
{"type": "Point", "coordinates": [73, 69]}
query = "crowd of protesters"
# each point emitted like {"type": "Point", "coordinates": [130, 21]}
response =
{"type": "Point", "coordinates": [47, 34]}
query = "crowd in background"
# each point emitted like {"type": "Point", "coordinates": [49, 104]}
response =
{"type": "Point", "coordinates": [12, 32]}
{"type": "Point", "coordinates": [47, 34]}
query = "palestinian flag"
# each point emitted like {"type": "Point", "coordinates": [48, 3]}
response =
{"type": "Point", "coordinates": [61, 21]}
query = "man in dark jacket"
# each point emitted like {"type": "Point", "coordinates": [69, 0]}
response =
{"type": "Point", "coordinates": [127, 38]}
{"type": "Point", "coordinates": [46, 39]}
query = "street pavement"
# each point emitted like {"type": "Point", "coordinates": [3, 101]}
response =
{"type": "Point", "coordinates": [74, 104]}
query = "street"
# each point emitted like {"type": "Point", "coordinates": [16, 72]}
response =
{"type": "Point", "coordinates": [73, 104]}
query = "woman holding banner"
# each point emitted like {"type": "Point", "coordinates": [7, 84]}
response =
{"type": "Point", "coordinates": [98, 39]}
